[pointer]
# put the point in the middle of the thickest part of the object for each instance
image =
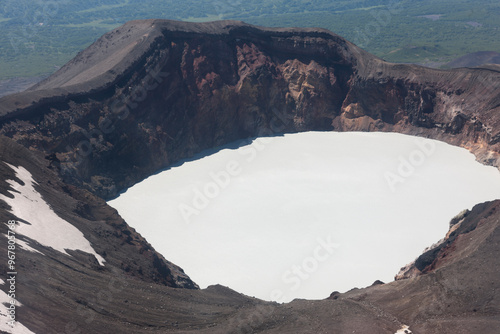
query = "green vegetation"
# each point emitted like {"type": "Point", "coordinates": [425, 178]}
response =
{"type": "Point", "coordinates": [38, 36]}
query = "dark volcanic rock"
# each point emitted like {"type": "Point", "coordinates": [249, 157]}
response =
{"type": "Point", "coordinates": [153, 92]}
{"type": "Point", "coordinates": [128, 256]}
{"type": "Point", "coordinates": [121, 246]}
{"type": "Point", "coordinates": [459, 292]}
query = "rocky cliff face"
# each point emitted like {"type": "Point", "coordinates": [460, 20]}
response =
{"type": "Point", "coordinates": [46, 275]}
{"type": "Point", "coordinates": [153, 92]}
{"type": "Point", "coordinates": [120, 245]}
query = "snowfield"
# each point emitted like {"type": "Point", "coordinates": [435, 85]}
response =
{"type": "Point", "coordinates": [303, 215]}
{"type": "Point", "coordinates": [45, 226]}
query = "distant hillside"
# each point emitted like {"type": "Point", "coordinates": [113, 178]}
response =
{"type": "Point", "coordinates": [15, 85]}
{"type": "Point", "coordinates": [475, 59]}
{"type": "Point", "coordinates": [39, 38]}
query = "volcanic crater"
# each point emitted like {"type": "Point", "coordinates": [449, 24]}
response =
{"type": "Point", "coordinates": [151, 93]}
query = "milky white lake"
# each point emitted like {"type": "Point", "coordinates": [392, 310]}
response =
{"type": "Point", "coordinates": [303, 215]}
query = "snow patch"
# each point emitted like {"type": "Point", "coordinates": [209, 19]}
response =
{"type": "Point", "coordinates": [24, 245]}
{"type": "Point", "coordinates": [18, 328]}
{"type": "Point", "coordinates": [404, 330]}
{"type": "Point", "coordinates": [45, 226]}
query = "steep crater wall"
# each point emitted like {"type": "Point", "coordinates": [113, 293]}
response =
{"type": "Point", "coordinates": [110, 118]}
